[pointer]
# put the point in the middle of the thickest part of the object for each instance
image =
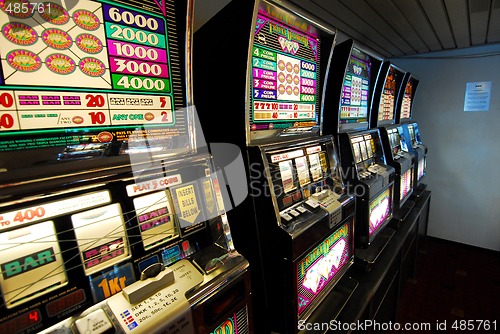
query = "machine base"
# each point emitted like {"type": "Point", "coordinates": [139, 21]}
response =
{"type": "Point", "coordinates": [418, 191]}
{"type": "Point", "coordinates": [364, 258]}
{"type": "Point", "coordinates": [335, 301]}
{"type": "Point", "coordinates": [401, 214]}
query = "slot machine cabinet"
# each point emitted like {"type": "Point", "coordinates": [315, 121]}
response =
{"type": "Point", "coordinates": [121, 255]}
{"type": "Point", "coordinates": [111, 211]}
{"type": "Point", "coordinates": [310, 244]}
{"type": "Point", "coordinates": [419, 150]}
{"type": "Point", "coordinates": [259, 69]}
{"type": "Point", "coordinates": [411, 132]}
{"type": "Point", "coordinates": [403, 163]}
{"type": "Point", "coordinates": [355, 73]}
{"type": "Point", "coordinates": [353, 76]}
{"type": "Point", "coordinates": [406, 95]}
{"type": "Point", "coordinates": [387, 106]}
{"type": "Point", "coordinates": [371, 180]}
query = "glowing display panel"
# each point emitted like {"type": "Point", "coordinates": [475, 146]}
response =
{"type": "Point", "coordinates": [83, 81]}
{"type": "Point", "coordinates": [155, 218]}
{"type": "Point", "coordinates": [101, 237]}
{"type": "Point", "coordinates": [236, 323]}
{"type": "Point", "coordinates": [355, 89]}
{"type": "Point", "coordinates": [295, 173]}
{"type": "Point", "coordinates": [380, 210]}
{"type": "Point", "coordinates": [413, 138]}
{"type": "Point", "coordinates": [404, 145]}
{"type": "Point", "coordinates": [365, 150]}
{"type": "Point", "coordinates": [421, 167]}
{"type": "Point", "coordinates": [406, 183]}
{"type": "Point", "coordinates": [188, 204]}
{"type": "Point", "coordinates": [285, 83]}
{"type": "Point", "coordinates": [31, 263]}
{"type": "Point", "coordinates": [21, 322]}
{"type": "Point", "coordinates": [302, 171]}
{"type": "Point", "coordinates": [321, 266]}
{"type": "Point", "coordinates": [394, 140]}
{"type": "Point", "coordinates": [387, 100]}
{"type": "Point", "coordinates": [407, 100]}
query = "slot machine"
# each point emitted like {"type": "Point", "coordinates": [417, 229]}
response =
{"type": "Point", "coordinates": [384, 112]}
{"type": "Point", "coordinates": [411, 133]}
{"type": "Point", "coordinates": [259, 68]}
{"type": "Point", "coordinates": [347, 107]}
{"type": "Point", "coordinates": [111, 211]}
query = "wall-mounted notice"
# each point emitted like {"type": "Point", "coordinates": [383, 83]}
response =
{"type": "Point", "coordinates": [477, 96]}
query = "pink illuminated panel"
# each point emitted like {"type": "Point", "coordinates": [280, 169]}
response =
{"type": "Point", "coordinates": [285, 82]}
{"type": "Point", "coordinates": [320, 268]}
{"type": "Point", "coordinates": [380, 210]}
{"type": "Point", "coordinates": [421, 168]}
{"type": "Point", "coordinates": [405, 187]}
{"type": "Point", "coordinates": [406, 105]}
{"type": "Point", "coordinates": [387, 100]}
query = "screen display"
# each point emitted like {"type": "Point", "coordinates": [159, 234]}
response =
{"type": "Point", "coordinates": [394, 140]}
{"type": "Point", "coordinates": [287, 177]}
{"type": "Point", "coordinates": [21, 322]}
{"type": "Point", "coordinates": [302, 171]}
{"type": "Point", "coordinates": [406, 183]}
{"type": "Point", "coordinates": [404, 145]}
{"type": "Point", "coordinates": [407, 100]}
{"type": "Point", "coordinates": [236, 323]}
{"type": "Point", "coordinates": [421, 168]}
{"type": "Point", "coordinates": [296, 172]}
{"type": "Point", "coordinates": [316, 167]}
{"type": "Point", "coordinates": [365, 150]}
{"type": "Point", "coordinates": [105, 245]}
{"type": "Point", "coordinates": [285, 70]}
{"type": "Point", "coordinates": [413, 138]}
{"type": "Point", "coordinates": [81, 82]}
{"type": "Point", "coordinates": [416, 131]}
{"type": "Point", "coordinates": [188, 203]}
{"type": "Point", "coordinates": [355, 89]}
{"type": "Point", "coordinates": [31, 262]}
{"type": "Point", "coordinates": [380, 210]}
{"type": "Point", "coordinates": [357, 153]}
{"type": "Point", "coordinates": [155, 217]}
{"type": "Point", "coordinates": [388, 98]}
{"type": "Point", "coordinates": [320, 268]}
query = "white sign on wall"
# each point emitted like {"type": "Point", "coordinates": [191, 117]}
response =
{"type": "Point", "coordinates": [477, 96]}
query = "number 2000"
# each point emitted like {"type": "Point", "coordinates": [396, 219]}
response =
{"type": "Point", "coordinates": [130, 34]}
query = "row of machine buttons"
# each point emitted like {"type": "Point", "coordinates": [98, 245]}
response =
{"type": "Point", "coordinates": [290, 214]}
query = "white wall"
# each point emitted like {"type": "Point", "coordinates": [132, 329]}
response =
{"type": "Point", "coordinates": [463, 168]}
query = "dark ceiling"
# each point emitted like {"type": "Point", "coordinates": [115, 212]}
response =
{"type": "Point", "coordinates": [397, 28]}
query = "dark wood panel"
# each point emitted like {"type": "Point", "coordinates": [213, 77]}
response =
{"type": "Point", "coordinates": [414, 13]}
{"type": "Point", "coordinates": [479, 15]}
{"type": "Point", "coordinates": [395, 28]}
{"type": "Point", "coordinates": [494, 28]}
{"type": "Point", "coordinates": [344, 20]}
{"type": "Point", "coordinates": [435, 11]}
{"type": "Point", "coordinates": [375, 19]}
{"type": "Point", "coordinates": [459, 19]}
{"type": "Point", "coordinates": [399, 22]}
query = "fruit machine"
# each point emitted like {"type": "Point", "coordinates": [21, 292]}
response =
{"type": "Point", "coordinates": [411, 132]}
{"type": "Point", "coordinates": [111, 211]}
{"type": "Point", "coordinates": [347, 107]}
{"type": "Point", "coordinates": [384, 118]}
{"type": "Point", "coordinates": [259, 68]}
